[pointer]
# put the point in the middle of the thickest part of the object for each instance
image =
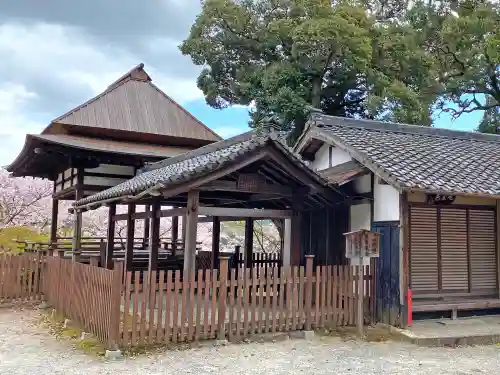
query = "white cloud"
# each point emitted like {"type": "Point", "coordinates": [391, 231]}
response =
{"type": "Point", "coordinates": [48, 69]}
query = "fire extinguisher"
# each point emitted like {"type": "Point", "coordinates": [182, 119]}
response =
{"type": "Point", "coordinates": [410, 308]}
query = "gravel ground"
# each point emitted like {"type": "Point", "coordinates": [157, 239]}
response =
{"type": "Point", "coordinates": [28, 349]}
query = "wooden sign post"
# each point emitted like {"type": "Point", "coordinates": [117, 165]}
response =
{"type": "Point", "coordinates": [360, 245]}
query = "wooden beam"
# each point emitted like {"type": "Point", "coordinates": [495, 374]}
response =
{"type": "Point", "coordinates": [215, 242]}
{"type": "Point", "coordinates": [245, 212]}
{"type": "Point", "coordinates": [232, 186]}
{"type": "Point", "coordinates": [141, 215]}
{"type": "Point", "coordinates": [248, 242]}
{"type": "Point", "coordinates": [111, 236]}
{"type": "Point", "coordinates": [154, 237]}
{"type": "Point", "coordinates": [178, 211]}
{"type": "Point", "coordinates": [53, 224]}
{"type": "Point", "coordinates": [191, 232]}
{"type": "Point", "coordinates": [129, 250]}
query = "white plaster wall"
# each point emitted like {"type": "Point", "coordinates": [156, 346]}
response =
{"type": "Point", "coordinates": [322, 157]}
{"type": "Point", "coordinates": [386, 202]}
{"type": "Point", "coordinates": [123, 170]}
{"type": "Point", "coordinates": [359, 217]}
{"type": "Point", "coordinates": [363, 184]}
{"type": "Point", "coordinates": [102, 181]}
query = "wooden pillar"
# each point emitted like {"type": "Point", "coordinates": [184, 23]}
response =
{"type": "Point", "coordinates": [248, 242]}
{"type": "Point", "coordinates": [191, 232]}
{"type": "Point", "coordinates": [147, 229]}
{"type": "Point", "coordinates": [110, 240]}
{"type": "Point", "coordinates": [154, 236]}
{"type": "Point", "coordinates": [77, 236]}
{"type": "Point", "coordinates": [287, 243]}
{"type": "Point", "coordinates": [175, 234]}
{"type": "Point", "coordinates": [53, 225]}
{"type": "Point", "coordinates": [295, 240]}
{"type": "Point", "coordinates": [129, 247]}
{"type": "Point", "coordinates": [183, 229]}
{"type": "Point", "coordinates": [216, 242]}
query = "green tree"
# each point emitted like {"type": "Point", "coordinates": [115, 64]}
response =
{"type": "Point", "coordinates": [465, 42]}
{"type": "Point", "coordinates": [286, 56]}
{"type": "Point", "coordinates": [490, 122]}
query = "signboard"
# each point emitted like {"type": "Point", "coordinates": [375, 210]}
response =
{"type": "Point", "coordinates": [362, 244]}
{"type": "Point", "coordinates": [439, 199]}
{"type": "Point", "coordinates": [250, 182]}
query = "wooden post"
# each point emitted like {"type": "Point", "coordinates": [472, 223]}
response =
{"type": "Point", "coordinates": [116, 289]}
{"type": "Point", "coordinates": [295, 247]}
{"type": "Point", "coordinates": [248, 242]}
{"type": "Point", "coordinates": [224, 262]}
{"type": "Point", "coordinates": [77, 236]}
{"type": "Point", "coordinates": [215, 242]}
{"type": "Point", "coordinates": [147, 208]}
{"type": "Point", "coordinates": [360, 291]}
{"type": "Point", "coordinates": [103, 246]}
{"type": "Point", "coordinates": [110, 245]}
{"type": "Point", "coordinates": [53, 225]}
{"type": "Point", "coordinates": [175, 234]}
{"type": "Point", "coordinates": [154, 237]}
{"type": "Point", "coordinates": [287, 243]}
{"type": "Point", "coordinates": [191, 232]}
{"type": "Point", "coordinates": [129, 247]}
{"type": "Point", "coordinates": [309, 292]}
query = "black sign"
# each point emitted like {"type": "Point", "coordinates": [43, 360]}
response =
{"type": "Point", "coordinates": [440, 199]}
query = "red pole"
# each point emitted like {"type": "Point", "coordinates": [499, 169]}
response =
{"type": "Point", "coordinates": [410, 308]}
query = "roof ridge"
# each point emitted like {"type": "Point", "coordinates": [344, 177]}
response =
{"type": "Point", "coordinates": [393, 127]}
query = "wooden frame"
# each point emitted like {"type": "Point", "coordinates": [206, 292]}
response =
{"type": "Point", "coordinates": [245, 212]}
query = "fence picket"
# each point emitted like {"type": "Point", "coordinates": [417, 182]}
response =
{"type": "Point", "coordinates": [169, 311]}
{"type": "Point", "coordinates": [135, 309]}
{"type": "Point", "coordinates": [214, 312]}
{"type": "Point", "coordinates": [206, 303]}
{"type": "Point", "coordinates": [160, 332]}
{"type": "Point", "coordinates": [175, 326]}
{"type": "Point", "coordinates": [151, 308]}
{"type": "Point", "coordinates": [274, 297]}
{"type": "Point", "coordinates": [199, 302]}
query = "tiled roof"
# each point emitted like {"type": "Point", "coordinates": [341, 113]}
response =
{"type": "Point", "coordinates": [193, 164]}
{"type": "Point", "coordinates": [417, 157]}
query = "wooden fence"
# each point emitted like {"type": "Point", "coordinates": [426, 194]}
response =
{"type": "Point", "coordinates": [137, 308]}
{"type": "Point", "coordinates": [86, 294]}
{"type": "Point", "coordinates": [20, 277]}
{"type": "Point", "coordinates": [237, 303]}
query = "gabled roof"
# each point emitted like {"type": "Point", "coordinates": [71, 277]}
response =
{"type": "Point", "coordinates": [415, 157]}
{"type": "Point", "coordinates": [134, 104]}
{"type": "Point", "coordinates": [197, 163]}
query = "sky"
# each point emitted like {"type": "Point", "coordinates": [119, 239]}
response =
{"type": "Point", "coordinates": [56, 56]}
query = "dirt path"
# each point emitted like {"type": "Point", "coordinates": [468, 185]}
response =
{"type": "Point", "coordinates": [27, 349]}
